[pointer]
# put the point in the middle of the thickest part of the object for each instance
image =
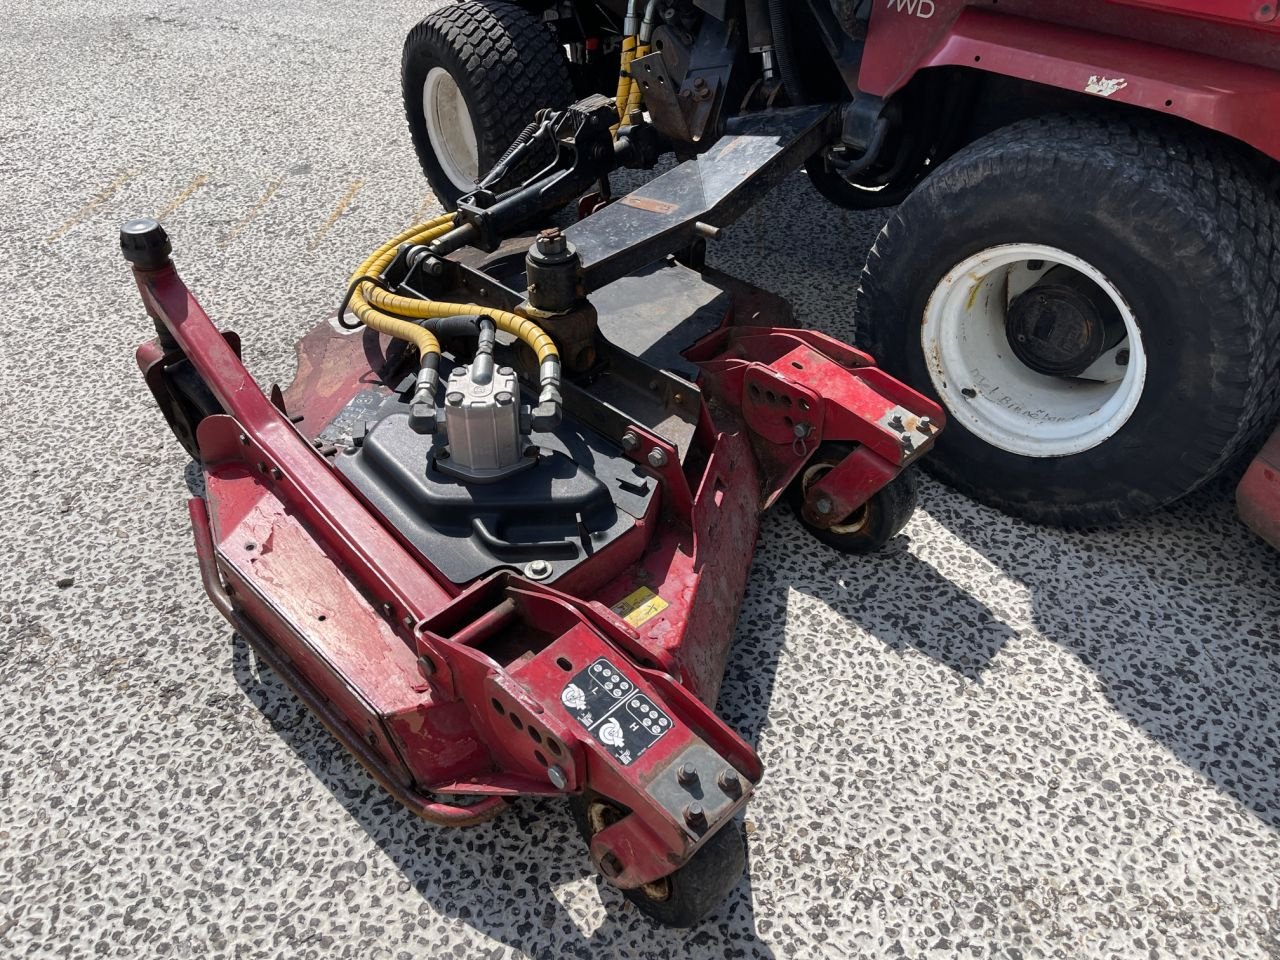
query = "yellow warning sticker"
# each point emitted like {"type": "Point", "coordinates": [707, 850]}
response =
{"type": "Point", "coordinates": [640, 606]}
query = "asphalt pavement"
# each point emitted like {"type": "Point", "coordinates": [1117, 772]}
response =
{"type": "Point", "coordinates": [991, 740]}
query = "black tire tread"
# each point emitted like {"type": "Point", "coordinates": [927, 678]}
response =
{"type": "Point", "coordinates": [1230, 201]}
{"type": "Point", "coordinates": [511, 59]}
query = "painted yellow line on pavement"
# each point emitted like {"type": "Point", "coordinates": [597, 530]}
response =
{"type": "Point", "coordinates": [256, 209]}
{"type": "Point", "coordinates": [183, 197]}
{"type": "Point", "coordinates": [428, 202]}
{"type": "Point", "coordinates": [92, 206]}
{"type": "Point", "coordinates": [338, 211]}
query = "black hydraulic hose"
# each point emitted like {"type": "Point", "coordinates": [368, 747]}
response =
{"type": "Point", "coordinates": [782, 50]}
{"type": "Point", "coordinates": [484, 329]}
{"type": "Point", "coordinates": [533, 131]}
{"type": "Point", "coordinates": [519, 141]}
{"type": "Point", "coordinates": [455, 326]}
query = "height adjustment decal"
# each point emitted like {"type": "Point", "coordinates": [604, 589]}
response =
{"type": "Point", "coordinates": [607, 704]}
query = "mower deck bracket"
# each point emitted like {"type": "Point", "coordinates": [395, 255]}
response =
{"type": "Point", "coordinates": [757, 152]}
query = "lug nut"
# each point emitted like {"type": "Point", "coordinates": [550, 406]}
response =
{"type": "Point", "coordinates": [695, 816]}
{"type": "Point", "coordinates": [657, 458]}
{"type": "Point", "coordinates": [687, 774]}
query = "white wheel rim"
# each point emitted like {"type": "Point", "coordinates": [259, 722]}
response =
{"type": "Point", "coordinates": [453, 138]}
{"type": "Point", "coordinates": [997, 397]}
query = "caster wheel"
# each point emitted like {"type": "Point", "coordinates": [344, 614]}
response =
{"type": "Point", "coordinates": [873, 524]}
{"type": "Point", "coordinates": [682, 898]}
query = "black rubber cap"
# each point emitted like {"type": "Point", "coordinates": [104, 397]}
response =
{"type": "Point", "coordinates": [145, 244]}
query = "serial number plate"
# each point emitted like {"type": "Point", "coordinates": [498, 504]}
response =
{"type": "Point", "coordinates": [607, 703]}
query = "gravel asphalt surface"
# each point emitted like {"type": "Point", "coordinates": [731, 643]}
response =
{"type": "Point", "coordinates": [989, 740]}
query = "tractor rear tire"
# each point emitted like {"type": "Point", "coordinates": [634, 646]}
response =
{"type": "Point", "coordinates": [1168, 237]}
{"type": "Point", "coordinates": [473, 75]}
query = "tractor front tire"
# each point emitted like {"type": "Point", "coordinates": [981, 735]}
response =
{"type": "Point", "coordinates": [1094, 301]}
{"type": "Point", "coordinates": [473, 75]}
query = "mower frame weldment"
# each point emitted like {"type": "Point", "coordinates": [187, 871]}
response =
{"type": "Point", "coordinates": [414, 674]}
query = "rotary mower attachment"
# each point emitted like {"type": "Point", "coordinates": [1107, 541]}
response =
{"type": "Point", "coordinates": [497, 535]}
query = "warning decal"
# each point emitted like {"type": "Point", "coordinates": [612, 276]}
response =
{"type": "Point", "coordinates": [639, 606]}
{"type": "Point", "coordinates": [622, 718]}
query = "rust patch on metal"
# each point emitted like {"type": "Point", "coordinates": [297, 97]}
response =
{"type": "Point", "coordinates": [663, 207]}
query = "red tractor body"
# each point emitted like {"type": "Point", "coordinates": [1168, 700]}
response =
{"type": "Point", "coordinates": [1215, 63]}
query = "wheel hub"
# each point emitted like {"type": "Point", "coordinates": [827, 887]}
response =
{"type": "Point", "coordinates": [1062, 324]}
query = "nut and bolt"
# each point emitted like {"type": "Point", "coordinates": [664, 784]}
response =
{"type": "Point", "coordinates": [1122, 358]}
{"type": "Point", "coordinates": [823, 506]}
{"type": "Point", "coordinates": [657, 458]}
{"type": "Point", "coordinates": [630, 441]}
{"type": "Point", "coordinates": [610, 865]}
{"type": "Point", "coordinates": [730, 782]}
{"type": "Point", "coordinates": [695, 816]}
{"type": "Point", "coordinates": [454, 399]}
{"type": "Point", "coordinates": [551, 241]}
{"type": "Point", "coordinates": [503, 399]}
{"type": "Point", "coordinates": [687, 774]}
{"type": "Point", "coordinates": [537, 569]}
{"type": "Point", "coordinates": [557, 778]}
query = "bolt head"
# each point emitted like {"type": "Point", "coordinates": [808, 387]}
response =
{"type": "Point", "coordinates": [557, 777]}
{"type": "Point", "coordinates": [537, 569]}
{"type": "Point", "coordinates": [730, 782]}
{"type": "Point", "coordinates": [657, 457]}
{"type": "Point", "coordinates": [823, 506]}
{"type": "Point", "coordinates": [694, 815]}
{"type": "Point", "coordinates": [610, 865]}
{"type": "Point", "coordinates": [630, 440]}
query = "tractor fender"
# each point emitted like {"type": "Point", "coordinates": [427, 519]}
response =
{"type": "Point", "coordinates": [1237, 99]}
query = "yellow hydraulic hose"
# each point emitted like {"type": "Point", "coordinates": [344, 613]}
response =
{"type": "Point", "coordinates": [385, 311]}
{"type": "Point", "coordinates": [633, 97]}
{"type": "Point", "coordinates": [512, 323]}
{"type": "Point", "coordinates": [421, 338]}
{"type": "Point", "coordinates": [625, 82]}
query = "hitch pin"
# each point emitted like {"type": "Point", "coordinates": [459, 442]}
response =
{"type": "Point", "coordinates": [798, 446]}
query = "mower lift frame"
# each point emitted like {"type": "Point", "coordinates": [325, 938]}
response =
{"type": "Point", "coordinates": [599, 684]}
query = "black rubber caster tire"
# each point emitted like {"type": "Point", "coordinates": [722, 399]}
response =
{"type": "Point", "coordinates": [872, 525]}
{"type": "Point", "coordinates": [1184, 229]}
{"type": "Point", "coordinates": [507, 66]}
{"type": "Point", "coordinates": [684, 898]}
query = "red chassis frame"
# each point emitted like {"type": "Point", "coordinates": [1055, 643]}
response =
{"type": "Point", "coordinates": [444, 692]}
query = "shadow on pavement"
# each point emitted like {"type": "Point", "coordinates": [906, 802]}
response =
{"type": "Point", "coordinates": [1180, 637]}
{"type": "Point", "coordinates": [462, 873]}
